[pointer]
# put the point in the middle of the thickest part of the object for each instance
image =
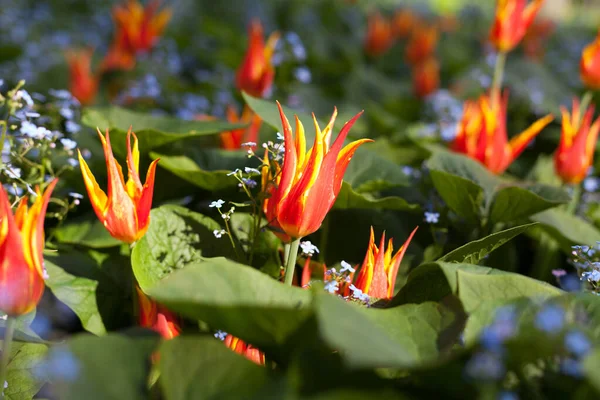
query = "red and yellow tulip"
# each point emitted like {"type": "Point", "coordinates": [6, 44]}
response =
{"type": "Point", "coordinates": [233, 140]}
{"type": "Point", "coordinates": [247, 350]}
{"type": "Point", "coordinates": [138, 27]}
{"type": "Point", "coordinates": [403, 22]}
{"type": "Point", "coordinates": [513, 18]}
{"type": "Point", "coordinates": [589, 66]}
{"type": "Point", "coordinates": [421, 45]}
{"type": "Point", "coordinates": [83, 84]}
{"type": "Point", "coordinates": [256, 73]}
{"type": "Point", "coordinates": [156, 317]}
{"type": "Point", "coordinates": [309, 182]}
{"type": "Point", "coordinates": [125, 208]}
{"type": "Point", "coordinates": [21, 247]}
{"type": "Point", "coordinates": [426, 77]}
{"type": "Point", "coordinates": [377, 275]}
{"type": "Point", "coordinates": [481, 133]}
{"type": "Point", "coordinates": [575, 151]}
{"type": "Point", "coordinates": [380, 35]}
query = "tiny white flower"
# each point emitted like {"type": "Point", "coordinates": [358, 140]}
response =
{"type": "Point", "coordinates": [218, 204]}
{"type": "Point", "coordinates": [308, 248]}
{"type": "Point", "coordinates": [431, 217]}
{"type": "Point", "coordinates": [45, 274]}
{"type": "Point", "coordinates": [346, 267]}
{"type": "Point", "coordinates": [280, 136]}
{"type": "Point", "coordinates": [249, 170]}
{"type": "Point", "coordinates": [331, 286]}
{"type": "Point", "coordinates": [3, 317]}
{"type": "Point", "coordinates": [76, 195]}
{"type": "Point", "coordinates": [13, 172]}
{"type": "Point", "coordinates": [235, 171]}
{"type": "Point", "coordinates": [219, 233]}
{"type": "Point", "coordinates": [68, 144]}
{"type": "Point", "coordinates": [249, 144]}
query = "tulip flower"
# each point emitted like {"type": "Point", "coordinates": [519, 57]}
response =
{"type": "Point", "coordinates": [21, 247]}
{"type": "Point", "coordinates": [421, 45]}
{"type": "Point", "coordinates": [233, 140]}
{"type": "Point", "coordinates": [139, 28]}
{"type": "Point", "coordinates": [256, 73]}
{"type": "Point", "coordinates": [481, 133]}
{"type": "Point", "coordinates": [125, 208]}
{"type": "Point", "coordinates": [575, 151]}
{"type": "Point", "coordinates": [310, 182]}
{"type": "Point", "coordinates": [83, 84]}
{"type": "Point", "coordinates": [589, 65]}
{"type": "Point", "coordinates": [247, 350]}
{"type": "Point", "coordinates": [377, 275]}
{"type": "Point", "coordinates": [380, 35]}
{"type": "Point", "coordinates": [270, 178]}
{"type": "Point", "coordinates": [118, 57]}
{"type": "Point", "coordinates": [426, 77]}
{"type": "Point", "coordinates": [156, 317]}
{"type": "Point", "coordinates": [513, 18]}
{"type": "Point", "coordinates": [403, 22]}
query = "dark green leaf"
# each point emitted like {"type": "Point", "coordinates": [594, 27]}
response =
{"type": "Point", "coordinates": [87, 232]}
{"type": "Point", "coordinates": [111, 367]}
{"type": "Point", "coordinates": [151, 131]}
{"type": "Point", "coordinates": [566, 228]}
{"type": "Point", "coordinates": [475, 251]}
{"type": "Point", "coordinates": [24, 377]}
{"type": "Point", "coordinates": [349, 198]}
{"type": "Point", "coordinates": [203, 368]}
{"type": "Point", "coordinates": [512, 203]}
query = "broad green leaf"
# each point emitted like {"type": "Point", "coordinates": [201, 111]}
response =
{"type": "Point", "coordinates": [349, 198]}
{"type": "Point", "coordinates": [88, 232]}
{"type": "Point", "coordinates": [111, 367]}
{"type": "Point", "coordinates": [470, 283]}
{"type": "Point", "coordinates": [24, 376]}
{"type": "Point", "coordinates": [197, 367]}
{"type": "Point", "coordinates": [177, 237]}
{"type": "Point", "coordinates": [97, 290]}
{"type": "Point", "coordinates": [512, 203]}
{"type": "Point", "coordinates": [473, 252]}
{"type": "Point", "coordinates": [207, 169]}
{"type": "Point", "coordinates": [152, 131]}
{"type": "Point", "coordinates": [237, 299]}
{"type": "Point", "coordinates": [461, 195]}
{"type": "Point", "coordinates": [425, 330]}
{"type": "Point", "coordinates": [591, 366]}
{"type": "Point", "coordinates": [361, 343]}
{"type": "Point", "coordinates": [567, 229]}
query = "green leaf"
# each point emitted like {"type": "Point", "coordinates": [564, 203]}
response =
{"type": "Point", "coordinates": [88, 232]}
{"type": "Point", "coordinates": [470, 283]}
{"type": "Point", "coordinates": [208, 169]}
{"type": "Point", "coordinates": [591, 366]}
{"type": "Point", "coordinates": [23, 376]}
{"type": "Point", "coordinates": [361, 343]}
{"type": "Point", "coordinates": [566, 228]}
{"type": "Point", "coordinates": [152, 131]}
{"type": "Point", "coordinates": [177, 237]}
{"type": "Point", "coordinates": [237, 299]}
{"type": "Point", "coordinates": [475, 251]}
{"type": "Point", "coordinates": [513, 203]}
{"type": "Point", "coordinates": [349, 198]}
{"type": "Point", "coordinates": [111, 367]}
{"type": "Point", "coordinates": [96, 290]}
{"type": "Point", "coordinates": [23, 331]}
{"type": "Point", "coordinates": [204, 368]}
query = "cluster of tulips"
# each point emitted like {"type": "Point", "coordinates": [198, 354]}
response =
{"type": "Point", "coordinates": [301, 190]}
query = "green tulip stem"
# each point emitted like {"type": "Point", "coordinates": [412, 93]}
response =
{"type": "Point", "coordinates": [290, 265]}
{"type": "Point", "coordinates": [498, 74]}
{"type": "Point", "coordinates": [9, 332]}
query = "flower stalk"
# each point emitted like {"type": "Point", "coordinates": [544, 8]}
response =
{"type": "Point", "coordinates": [290, 265]}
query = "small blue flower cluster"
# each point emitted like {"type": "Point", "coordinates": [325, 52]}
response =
{"type": "Point", "coordinates": [586, 260]}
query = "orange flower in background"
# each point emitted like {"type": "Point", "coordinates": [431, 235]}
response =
{"type": "Point", "coordinates": [125, 208]}
{"type": "Point", "coordinates": [403, 22]}
{"type": "Point", "coordinates": [575, 152]}
{"type": "Point", "coordinates": [380, 35]}
{"type": "Point", "coordinates": [139, 28]}
{"type": "Point", "coordinates": [481, 133]}
{"type": "Point", "coordinates": [589, 66]}
{"type": "Point", "coordinates": [118, 58]}
{"type": "Point", "coordinates": [513, 18]}
{"type": "Point", "coordinates": [426, 77]}
{"type": "Point", "coordinates": [83, 84]}
{"type": "Point", "coordinates": [422, 44]}
{"type": "Point", "coordinates": [21, 247]}
{"type": "Point", "coordinates": [233, 140]}
{"type": "Point", "coordinates": [256, 73]}
{"type": "Point", "coordinates": [377, 275]}
{"type": "Point", "coordinates": [247, 350]}
{"type": "Point", "coordinates": [310, 182]}
{"type": "Point", "coordinates": [534, 44]}
{"type": "Point", "coordinates": [156, 317]}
